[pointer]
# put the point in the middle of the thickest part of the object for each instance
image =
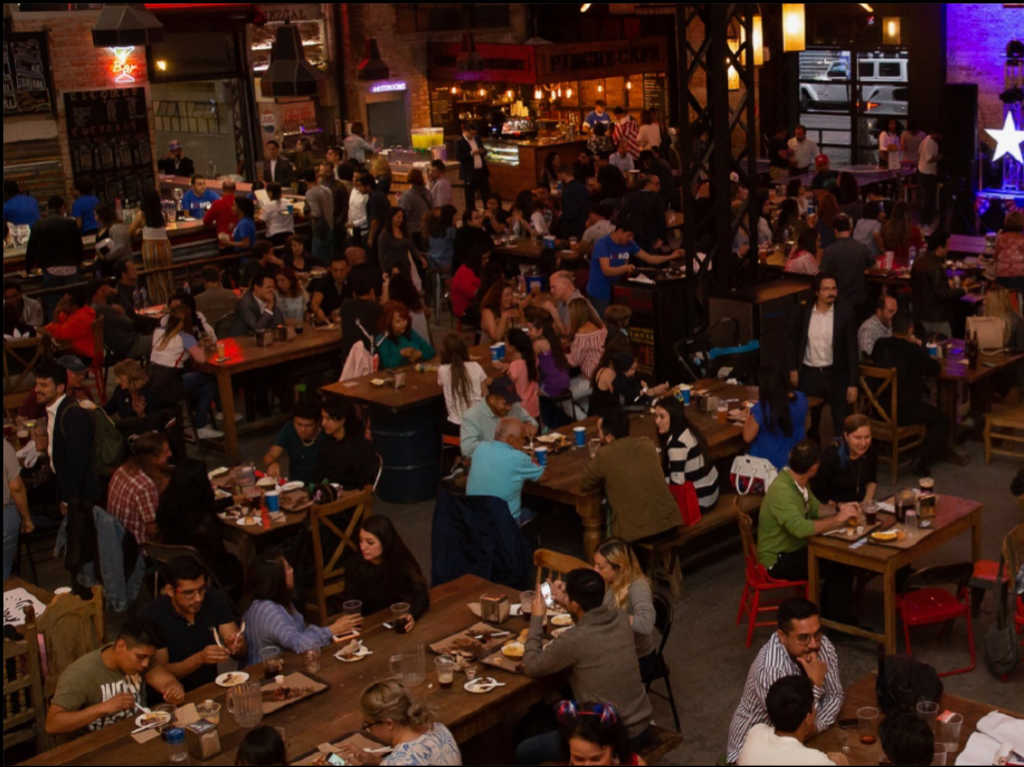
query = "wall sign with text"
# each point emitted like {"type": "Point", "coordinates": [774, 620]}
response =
{"type": "Point", "coordinates": [27, 86]}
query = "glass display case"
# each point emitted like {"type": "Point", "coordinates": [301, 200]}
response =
{"type": "Point", "coordinates": [518, 127]}
{"type": "Point", "coordinates": [502, 153]}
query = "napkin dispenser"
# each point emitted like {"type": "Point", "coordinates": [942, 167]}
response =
{"type": "Point", "coordinates": [494, 608]}
{"type": "Point", "coordinates": [202, 739]}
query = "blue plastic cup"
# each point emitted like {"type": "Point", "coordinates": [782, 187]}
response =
{"type": "Point", "coordinates": [542, 456]}
{"type": "Point", "coordinates": [498, 351]}
{"type": "Point", "coordinates": [580, 433]}
{"type": "Point", "coordinates": [273, 499]}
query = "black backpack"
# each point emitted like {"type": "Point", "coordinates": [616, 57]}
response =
{"type": "Point", "coordinates": [903, 682]}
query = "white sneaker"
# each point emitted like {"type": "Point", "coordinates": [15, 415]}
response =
{"type": "Point", "coordinates": [208, 432]}
{"type": "Point", "coordinates": [219, 416]}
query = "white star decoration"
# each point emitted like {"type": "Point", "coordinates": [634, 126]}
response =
{"type": "Point", "coordinates": [1008, 140]}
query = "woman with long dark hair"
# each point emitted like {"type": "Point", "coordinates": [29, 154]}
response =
{"type": "Point", "coordinates": [788, 222]}
{"type": "Point", "coordinates": [271, 619]}
{"type": "Point", "coordinates": [900, 234]}
{"type": "Point", "coordinates": [401, 344]}
{"type": "Point", "coordinates": [384, 572]}
{"type": "Point", "coordinates": [522, 369]}
{"type": "Point", "coordinates": [460, 378]}
{"type": "Point", "coordinates": [156, 248]}
{"type": "Point", "coordinates": [778, 420]}
{"type": "Point", "coordinates": [498, 312]}
{"type": "Point", "coordinates": [401, 289]}
{"type": "Point", "coordinates": [346, 456]}
{"type": "Point", "coordinates": [396, 250]}
{"type": "Point", "coordinates": [804, 257]}
{"type": "Point", "coordinates": [594, 734]}
{"type": "Point", "coordinates": [684, 453]}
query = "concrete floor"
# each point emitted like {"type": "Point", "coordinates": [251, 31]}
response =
{"type": "Point", "coordinates": [705, 650]}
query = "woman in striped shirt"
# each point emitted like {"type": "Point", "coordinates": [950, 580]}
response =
{"type": "Point", "coordinates": [683, 452]}
{"type": "Point", "coordinates": [273, 621]}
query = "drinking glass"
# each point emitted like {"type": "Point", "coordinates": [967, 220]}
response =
{"type": "Point", "coordinates": [867, 724]}
{"type": "Point", "coordinates": [870, 510]}
{"type": "Point", "coordinates": [395, 665]}
{"type": "Point", "coordinates": [398, 612]}
{"type": "Point", "coordinates": [311, 660]}
{"type": "Point", "coordinates": [593, 446]}
{"type": "Point", "coordinates": [209, 710]}
{"type": "Point", "coordinates": [445, 670]}
{"type": "Point", "coordinates": [927, 710]}
{"type": "Point", "coordinates": [948, 732]}
{"type": "Point", "coordinates": [273, 663]}
{"type": "Point", "coordinates": [352, 607]}
{"type": "Point", "coordinates": [414, 666]}
{"type": "Point", "coordinates": [470, 671]}
{"type": "Point", "coordinates": [526, 601]}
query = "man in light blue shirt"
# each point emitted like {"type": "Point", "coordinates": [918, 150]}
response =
{"type": "Point", "coordinates": [500, 467]}
{"type": "Point", "coordinates": [480, 421]}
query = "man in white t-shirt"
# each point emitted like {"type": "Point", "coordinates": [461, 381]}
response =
{"type": "Point", "coordinates": [928, 174]}
{"type": "Point", "coordinates": [802, 150]}
{"type": "Point", "coordinates": [790, 704]}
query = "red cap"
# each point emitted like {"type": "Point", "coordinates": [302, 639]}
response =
{"type": "Point", "coordinates": [821, 159]}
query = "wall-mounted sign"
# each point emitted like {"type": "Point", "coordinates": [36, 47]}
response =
{"type": "Point", "coordinates": [124, 71]}
{"type": "Point", "coordinates": [1008, 139]}
{"type": "Point", "coordinates": [387, 87]}
{"type": "Point", "coordinates": [502, 63]}
{"type": "Point", "coordinates": [27, 88]}
{"type": "Point", "coordinates": [589, 61]}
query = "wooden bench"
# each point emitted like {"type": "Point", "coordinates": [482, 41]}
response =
{"type": "Point", "coordinates": [661, 743]}
{"type": "Point", "coordinates": [664, 557]}
{"type": "Point", "coordinates": [1005, 427]}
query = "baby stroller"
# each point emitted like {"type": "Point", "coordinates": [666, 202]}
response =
{"type": "Point", "coordinates": [715, 351]}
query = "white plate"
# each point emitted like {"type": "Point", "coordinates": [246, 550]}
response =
{"type": "Point", "coordinates": [561, 619]}
{"type": "Point", "coordinates": [232, 678]}
{"type": "Point", "coordinates": [295, 484]}
{"type": "Point", "coordinates": [147, 720]}
{"type": "Point", "coordinates": [480, 685]}
{"type": "Point", "coordinates": [221, 494]}
{"type": "Point", "coordinates": [248, 521]}
{"type": "Point", "coordinates": [357, 656]}
{"type": "Point", "coordinates": [266, 482]}
{"type": "Point", "coordinates": [220, 471]}
{"type": "Point", "coordinates": [378, 381]}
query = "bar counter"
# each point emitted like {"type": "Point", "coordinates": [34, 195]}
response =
{"type": "Point", "coordinates": [516, 165]}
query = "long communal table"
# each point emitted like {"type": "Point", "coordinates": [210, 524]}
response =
{"type": "Point", "coordinates": [334, 713]}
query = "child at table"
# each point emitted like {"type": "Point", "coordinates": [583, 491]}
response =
{"type": "Point", "coordinates": [401, 344]}
{"type": "Point", "coordinates": [522, 369]}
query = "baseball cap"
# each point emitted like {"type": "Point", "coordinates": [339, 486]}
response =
{"type": "Point", "coordinates": [821, 159]}
{"type": "Point", "coordinates": [504, 388]}
{"type": "Point", "coordinates": [175, 144]}
{"type": "Point", "coordinates": [72, 363]}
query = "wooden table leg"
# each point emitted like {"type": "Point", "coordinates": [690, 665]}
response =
{"type": "Point", "coordinates": [813, 578]}
{"type": "Point", "coordinates": [227, 406]}
{"type": "Point", "coordinates": [948, 404]}
{"type": "Point", "coordinates": [589, 511]}
{"type": "Point", "coordinates": [889, 610]}
{"type": "Point", "coordinates": [976, 535]}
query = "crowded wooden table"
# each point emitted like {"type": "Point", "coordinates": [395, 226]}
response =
{"type": "Point", "coordinates": [862, 693]}
{"type": "Point", "coordinates": [334, 713]}
{"type": "Point", "coordinates": [954, 516]}
{"type": "Point", "coordinates": [243, 354]}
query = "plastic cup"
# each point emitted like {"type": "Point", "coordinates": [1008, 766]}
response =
{"type": "Point", "coordinates": [209, 710]}
{"type": "Point", "coordinates": [398, 612]}
{"type": "Point", "coordinates": [273, 499]}
{"type": "Point", "coordinates": [352, 607]}
{"type": "Point", "coordinates": [542, 456]}
{"type": "Point", "coordinates": [927, 710]}
{"type": "Point", "coordinates": [445, 671]}
{"type": "Point", "coordinates": [580, 433]}
{"type": "Point", "coordinates": [498, 351]}
{"type": "Point", "coordinates": [311, 660]}
{"type": "Point", "coordinates": [395, 665]}
{"type": "Point", "coordinates": [526, 600]}
{"type": "Point", "coordinates": [686, 395]}
{"type": "Point", "coordinates": [273, 663]}
{"type": "Point", "coordinates": [722, 413]}
{"type": "Point", "coordinates": [593, 446]}
{"type": "Point", "coordinates": [947, 731]}
{"type": "Point", "coordinates": [867, 724]}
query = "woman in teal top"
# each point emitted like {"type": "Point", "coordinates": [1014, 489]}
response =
{"type": "Point", "coordinates": [401, 344]}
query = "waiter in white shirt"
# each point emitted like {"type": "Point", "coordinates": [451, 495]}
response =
{"type": "Point", "coordinates": [472, 166]}
{"type": "Point", "coordinates": [802, 151]}
{"type": "Point", "coordinates": [825, 360]}
{"type": "Point", "coordinates": [928, 174]}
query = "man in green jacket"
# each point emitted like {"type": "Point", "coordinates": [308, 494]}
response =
{"type": "Point", "coordinates": [790, 514]}
{"type": "Point", "coordinates": [629, 468]}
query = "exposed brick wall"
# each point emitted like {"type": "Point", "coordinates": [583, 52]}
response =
{"type": "Point", "coordinates": [76, 65]}
{"type": "Point", "coordinates": [976, 53]}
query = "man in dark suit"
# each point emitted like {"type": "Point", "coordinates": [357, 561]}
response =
{"type": "Point", "coordinates": [905, 352]}
{"type": "Point", "coordinates": [472, 166]}
{"type": "Point", "coordinates": [55, 244]}
{"type": "Point", "coordinates": [176, 163]}
{"type": "Point", "coordinates": [847, 259]}
{"type": "Point", "coordinates": [276, 168]}
{"type": "Point", "coordinates": [824, 362]}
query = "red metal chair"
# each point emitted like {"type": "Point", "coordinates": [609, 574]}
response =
{"type": "Point", "coordinates": [929, 605]}
{"type": "Point", "coordinates": [757, 581]}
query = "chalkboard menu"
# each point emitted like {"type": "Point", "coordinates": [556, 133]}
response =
{"type": "Point", "coordinates": [26, 75]}
{"type": "Point", "coordinates": [442, 114]}
{"type": "Point", "coordinates": [654, 93]}
{"type": "Point", "coordinates": [108, 133]}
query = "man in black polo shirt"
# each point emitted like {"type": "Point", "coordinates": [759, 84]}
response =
{"type": "Point", "coordinates": [184, 617]}
{"type": "Point", "coordinates": [329, 291]}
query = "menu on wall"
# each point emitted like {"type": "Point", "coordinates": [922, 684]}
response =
{"type": "Point", "coordinates": [654, 94]}
{"type": "Point", "coordinates": [108, 134]}
{"type": "Point", "coordinates": [26, 75]}
{"type": "Point", "coordinates": [442, 115]}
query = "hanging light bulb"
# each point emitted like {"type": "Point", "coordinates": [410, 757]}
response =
{"type": "Point", "coordinates": [559, 91]}
{"type": "Point", "coordinates": [891, 30]}
{"type": "Point", "coordinates": [482, 92]}
{"type": "Point", "coordinates": [600, 88]}
{"type": "Point", "coordinates": [538, 94]}
{"type": "Point", "coordinates": [568, 93]}
{"type": "Point", "coordinates": [455, 90]}
{"type": "Point", "coordinates": [733, 78]}
{"type": "Point", "coordinates": [509, 93]}
{"type": "Point", "coordinates": [793, 27]}
{"type": "Point", "coordinates": [629, 85]}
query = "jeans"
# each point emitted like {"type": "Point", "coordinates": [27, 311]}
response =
{"type": "Point", "coordinates": [12, 532]}
{"type": "Point", "coordinates": [201, 388]}
{"type": "Point", "coordinates": [119, 591]}
{"type": "Point", "coordinates": [824, 383]}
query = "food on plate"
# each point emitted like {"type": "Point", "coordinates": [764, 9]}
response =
{"type": "Point", "coordinates": [514, 650]}
{"type": "Point", "coordinates": [283, 692]}
{"type": "Point", "coordinates": [351, 650]}
{"type": "Point", "coordinates": [378, 381]}
{"type": "Point", "coordinates": [522, 635]}
{"type": "Point", "coordinates": [885, 535]}
{"type": "Point", "coordinates": [466, 644]}
{"type": "Point", "coordinates": [154, 717]}
{"type": "Point", "coordinates": [232, 679]}
{"type": "Point", "coordinates": [562, 619]}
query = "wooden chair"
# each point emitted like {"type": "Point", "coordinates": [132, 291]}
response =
{"type": "Point", "coordinates": [661, 742]}
{"type": "Point", "coordinates": [20, 359]}
{"type": "Point", "coordinates": [24, 706]}
{"type": "Point", "coordinates": [553, 565]}
{"type": "Point", "coordinates": [1004, 432]}
{"type": "Point", "coordinates": [877, 386]}
{"type": "Point", "coordinates": [341, 518]}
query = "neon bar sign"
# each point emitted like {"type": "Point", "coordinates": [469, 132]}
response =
{"type": "Point", "coordinates": [122, 69]}
{"type": "Point", "coordinates": [387, 87]}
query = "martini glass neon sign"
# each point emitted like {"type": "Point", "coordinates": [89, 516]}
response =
{"type": "Point", "coordinates": [122, 69]}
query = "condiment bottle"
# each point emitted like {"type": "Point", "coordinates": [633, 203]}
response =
{"type": "Point", "coordinates": [177, 751]}
{"type": "Point", "coordinates": [265, 516]}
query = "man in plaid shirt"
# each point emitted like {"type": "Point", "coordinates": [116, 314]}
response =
{"type": "Point", "coordinates": [135, 487]}
{"type": "Point", "coordinates": [626, 131]}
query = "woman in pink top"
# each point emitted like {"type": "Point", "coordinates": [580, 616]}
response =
{"type": "Point", "coordinates": [522, 369]}
{"type": "Point", "coordinates": [804, 258]}
{"type": "Point", "coordinates": [588, 335]}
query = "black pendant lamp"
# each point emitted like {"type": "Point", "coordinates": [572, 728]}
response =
{"type": "Point", "coordinates": [372, 67]}
{"type": "Point", "coordinates": [119, 26]}
{"type": "Point", "coordinates": [289, 73]}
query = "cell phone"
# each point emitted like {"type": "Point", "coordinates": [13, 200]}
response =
{"type": "Point", "coordinates": [335, 759]}
{"type": "Point", "coordinates": [545, 591]}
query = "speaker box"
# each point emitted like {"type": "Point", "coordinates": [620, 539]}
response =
{"type": "Point", "coordinates": [960, 130]}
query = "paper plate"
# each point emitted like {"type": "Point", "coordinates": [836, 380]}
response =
{"type": "Point", "coordinates": [480, 685]}
{"type": "Point", "coordinates": [231, 678]}
{"type": "Point", "coordinates": [152, 718]}
{"type": "Point", "coordinates": [220, 471]}
{"type": "Point", "coordinates": [266, 482]}
{"type": "Point", "coordinates": [295, 484]}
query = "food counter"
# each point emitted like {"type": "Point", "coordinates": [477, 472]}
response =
{"type": "Point", "coordinates": [516, 165]}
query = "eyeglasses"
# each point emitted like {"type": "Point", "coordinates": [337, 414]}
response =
{"type": "Point", "coordinates": [367, 725]}
{"type": "Point", "coordinates": [192, 593]}
{"type": "Point", "coordinates": [806, 638]}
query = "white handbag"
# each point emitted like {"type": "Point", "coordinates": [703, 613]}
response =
{"type": "Point", "coordinates": [751, 475]}
{"type": "Point", "coordinates": [991, 332]}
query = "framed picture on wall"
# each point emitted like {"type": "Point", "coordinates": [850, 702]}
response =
{"type": "Point", "coordinates": [28, 87]}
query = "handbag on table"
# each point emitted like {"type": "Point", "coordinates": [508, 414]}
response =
{"type": "Point", "coordinates": [751, 475]}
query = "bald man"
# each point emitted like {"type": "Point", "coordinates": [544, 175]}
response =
{"type": "Point", "coordinates": [500, 468]}
{"type": "Point", "coordinates": [564, 290]}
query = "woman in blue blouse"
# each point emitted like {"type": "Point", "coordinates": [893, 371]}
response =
{"type": "Point", "coordinates": [401, 344]}
{"type": "Point", "coordinates": [778, 420]}
{"type": "Point", "coordinates": [244, 234]}
{"type": "Point", "coordinates": [273, 621]}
